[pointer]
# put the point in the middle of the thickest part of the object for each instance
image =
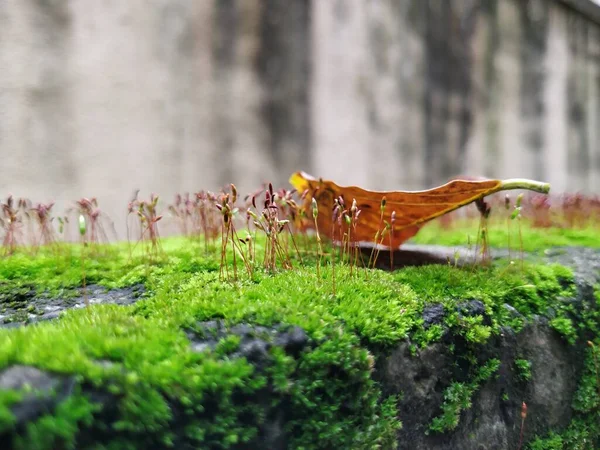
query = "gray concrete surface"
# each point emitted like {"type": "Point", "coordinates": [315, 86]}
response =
{"type": "Point", "coordinates": [100, 98]}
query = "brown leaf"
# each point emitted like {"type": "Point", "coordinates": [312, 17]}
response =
{"type": "Point", "coordinates": [412, 209]}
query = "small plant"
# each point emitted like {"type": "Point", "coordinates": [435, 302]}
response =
{"type": "Point", "coordinates": [94, 218]}
{"type": "Point", "coordinates": [354, 216]}
{"type": "Point", "coordinates": [11, 222]}
{"type": "Point", "coordinates": [63, 223]}
{"type": "Point", "coordinates": [270, 223]}
{"type": "Point", "coordinates": [457, 398]}
{"type": "Point", "coordinates": [315, 214]}
{"type": "Point", "coordinates": [289, 211]}
{"type": "Point", "coordinates": [392, 223]}
{"type": "Point", "coordinates": [516, 214]}
{"type": "Point", "coordinates": [336, 214]}
{"type": "Point", "coordinates": [507, 208]}
{"type": "Point", "coordinates": [524, 369]}
{"type": "Point", "coordinates": [523, 417]}
{"type": "Point", "coordinates": [379, 235]}
{"type": "Point", "coordinates": [42, 214]}
{"type": "Point", "coordinates": [229, 233]}
{"type": "Point", "coordinates": [183, 210]}
{"type": "Point", "coordinates": [206, 219]}
{"type": "Point", "coordinates": [539, 208]}
{"type": "Point", "coordinates": [148, 217]}
{"type": "Point", "coordinates": [82, 234]}
{"type": "Point", "coordinates": [484, 211]}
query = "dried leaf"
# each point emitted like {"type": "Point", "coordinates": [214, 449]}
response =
{"type": "Point", "coordinates": [412, 209]}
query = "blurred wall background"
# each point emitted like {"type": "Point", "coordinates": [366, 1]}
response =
{"type": "Point", "coordinates": [98, 98]}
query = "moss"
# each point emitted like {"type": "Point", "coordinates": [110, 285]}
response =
{"type": "Point", "coordinates": [152, 365]}
{"type": "Point", "coordinates": [536, 290]}
{"type": "Point", "coordinates": [7, 399]}
{"type": "Point", "coordinates": [523, 369]}
{"type": "Point", "coordinates": [58, 430]}
{"type": "Point", "coordinates": [465, 233]}
{"type": "Point", "coordinates": [457, 397]}
{"type": "Point", "coordinates": [141, 357]}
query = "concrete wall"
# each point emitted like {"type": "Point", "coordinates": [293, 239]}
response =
{"type": "Point", "coordinates": [98, 98]}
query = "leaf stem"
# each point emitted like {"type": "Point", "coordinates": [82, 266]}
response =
{"type": "Point", "coordinates": [522, 183]}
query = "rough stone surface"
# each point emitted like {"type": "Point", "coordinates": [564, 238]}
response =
{"type": "Point", "coordinates": [390, 94]}
{"type": "Point", "coordinates": [493, 421]}
{"type": "Point", "coordinates": [25, 307]}
{"type": "Point", "coordinates": [255, 341]}
{"type": "Point", "coordinates": [43, 391]}
{"type": "Point", "coordinates": [433, 314]}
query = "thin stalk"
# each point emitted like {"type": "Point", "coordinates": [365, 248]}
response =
{"type": "Point", "coordinates": [596, 365]}
{"type": "Point", "coordinates": [333, 255]}
{"type": "Point", "coordinates": [85, 298]}
{"type": "Point", "coordinates": [294, 244]}
{"type": "Point", "coordinates": [521, 243]}
{"type": "Point", "coordinates": [523, 417]}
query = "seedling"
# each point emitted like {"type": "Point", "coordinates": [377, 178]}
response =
{"type": "Point", "coordinates": [334, 219]}
{"type": "Point", "coordinates": [315, 214]}
{"type": "Point", "coordinates": [183, 210]}
{"type": "Point", "coordinates": [42, 215]}
{"type": "Point", "coordinates": [207, 219]}
{"type": "Point", "coordinates": [383, 232]}
{"type": "Point", "coordinates": [82, 234]}
{"type": "Point", "coordinates": [95, 232]}
{"type": "Point", "coordinates": [63, 223]}
{"type": "Point", "coordinates": [516, 214]}
{"type": "Point", "coordinates": [484, 212]}
{"type": "Point", "coordinates": [270, 223]}
{"type": "Point", "coordinates": [289, 210]}
{"type": "Point", "coordinates": [148, 217]}
{"type": "Point", "coordinates": [11, 222]}
{"type": "Point", "coordinates": [355, 214]}
{"type": "Point", "coordinates": [379, 235]}
{"type": "Point", "coordinates": [392, 222]}
{"type": "Point", "coordinates": [229, 234]}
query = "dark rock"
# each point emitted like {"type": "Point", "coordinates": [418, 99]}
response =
{"type": "Point", "coordinates": [32, 307]}
{"type": "Point", "coordinates": [255, 342]}
{"type": "Point", "coordinates": [472, 308]}
{"type": "Point", "coordinates": [255, 350]}
{"type": "Point", "coordinates": [555, 368]}
{"type": "Point", "coordinates": [433, 314]}
{"type": "Point", "coordinates": [493, 421]}
{"type": "Point", "coordinates": [43, 391]}
{"type": "Point", "coordinates": [293, 341]}
{"type": "Point", "coordinates": [242, 329]}
{"type": "Point", "coordinates": [512, 311]}
{"type": "Point", "coordinates": [420, 380]}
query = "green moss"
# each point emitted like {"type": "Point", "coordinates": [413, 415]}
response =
{"type": "Point", "coordinates": [457, 397]}
{"type": "Point", "coordinates": [7, 399]}
{"type": "Point", "coordinates": [523, 369]}
{"type": "Point", "coordinates": [152, 365]}
{"type": "Point", "coordinates": [142, 356]}
{"type": "Point", "coordinates": [58, 430]}
{"type": "Point", "coordinates": [465, 233]}
{"type": "Point", "coordinates": [536, 290]}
